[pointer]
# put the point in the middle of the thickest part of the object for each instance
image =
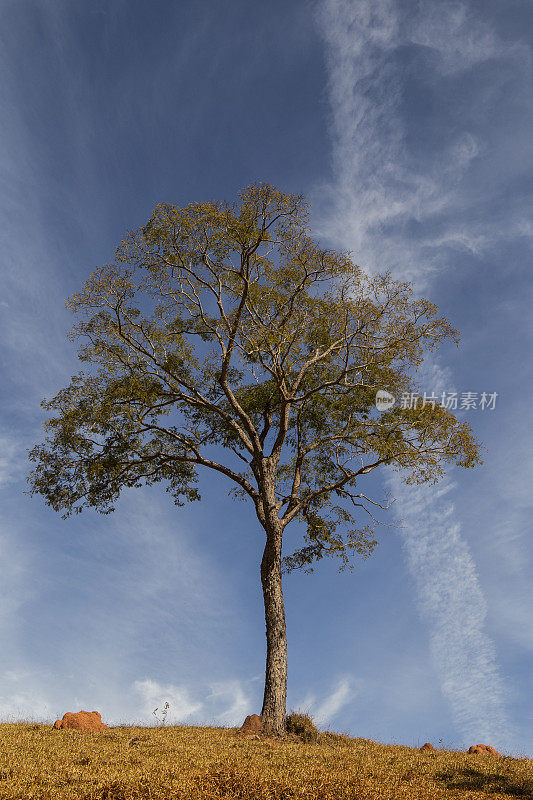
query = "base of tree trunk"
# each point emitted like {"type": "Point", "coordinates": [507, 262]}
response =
{"type": "Point", "coordinates": [271, 731]}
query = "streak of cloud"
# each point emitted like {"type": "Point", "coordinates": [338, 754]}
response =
{"type": "Point", "coordinates": [451, 600]}
{"type": "Point", "coordinates": [346, 690]}
{"type": "Point", "coordinates": [384, 189]}
{"type": "Point", "coordinates": [395, 211]}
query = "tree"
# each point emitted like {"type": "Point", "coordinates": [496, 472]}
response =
{"type": "Point", "coordinates": [303, 339]}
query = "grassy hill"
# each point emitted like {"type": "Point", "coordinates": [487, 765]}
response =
{"type": "Point", "coordinates": [187, 763]}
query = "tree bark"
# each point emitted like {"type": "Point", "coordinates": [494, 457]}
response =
{"type": "Point", "coordinates": [275, 698]}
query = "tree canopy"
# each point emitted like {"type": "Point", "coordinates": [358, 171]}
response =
{"type": "Point", "coordinates": [300, 339]}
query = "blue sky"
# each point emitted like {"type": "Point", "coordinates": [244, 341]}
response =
{"type": "Point", "coordinates": [408, 126]}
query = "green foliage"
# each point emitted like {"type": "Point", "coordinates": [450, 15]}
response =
{"type": "Point", "coordinates": [302, 726]}
{"type": "Point", "coordinates": [261, 343]}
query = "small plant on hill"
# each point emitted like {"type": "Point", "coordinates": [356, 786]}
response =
{"type": "Point", "coordinates": [302, 726]}
{"type": "Point", "coordinates": [164, 713]}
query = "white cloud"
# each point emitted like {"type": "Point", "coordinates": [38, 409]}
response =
{"type": "Point", "coordinates": [451, 601]}
{"type": "Point", "coordinates": [167, 584]}
{"type": "Point", "coordinates": [345, 692]}
{"type": "Point", "coordinates": [9, 449]}
{"type": "Point", "coordinates": [378, 188]}
{"type": "Point", "coordinates": [347, 689]}
{"type": "Point", "coordinates": [459, 38]}
{"type": "Point", "coordinates": [240, 703]}
{"type": "Point", "coordinates": [181, 707]}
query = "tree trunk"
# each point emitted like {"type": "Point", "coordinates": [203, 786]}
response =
{"type": "Point", "coordinates": [275, 697]}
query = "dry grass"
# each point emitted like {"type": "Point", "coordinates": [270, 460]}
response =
{"type": "Point", "coordinates": [186, 763]}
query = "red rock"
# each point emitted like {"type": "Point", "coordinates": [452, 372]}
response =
{"type": "Point", "coordinates": [427, 748]}
{"type": "Point", "coordinates": [81, 721]}
{"type": "Point", "coordinates": [483, 749]}
{"type": "Point", "coordinates": [251, 725]}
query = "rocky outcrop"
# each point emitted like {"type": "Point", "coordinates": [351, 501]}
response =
{"type": "Point", "coordinates": [253, 724]}
{"type": "Point", "coordinates": [82, 721]}
{"type": "Point", "coordinates": [483, 749]}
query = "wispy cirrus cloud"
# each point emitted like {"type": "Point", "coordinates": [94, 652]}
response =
{"type": "Point", "coordinates": [346, 690]}
{"type": "Point", "coordinates": [450, 597]}
{"type": "Point", "coordinates": [391, 204]}
{"type": "Point", "coordinates": [451, 600]}
{"type": "Point", "coordinates": [408, 200]}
